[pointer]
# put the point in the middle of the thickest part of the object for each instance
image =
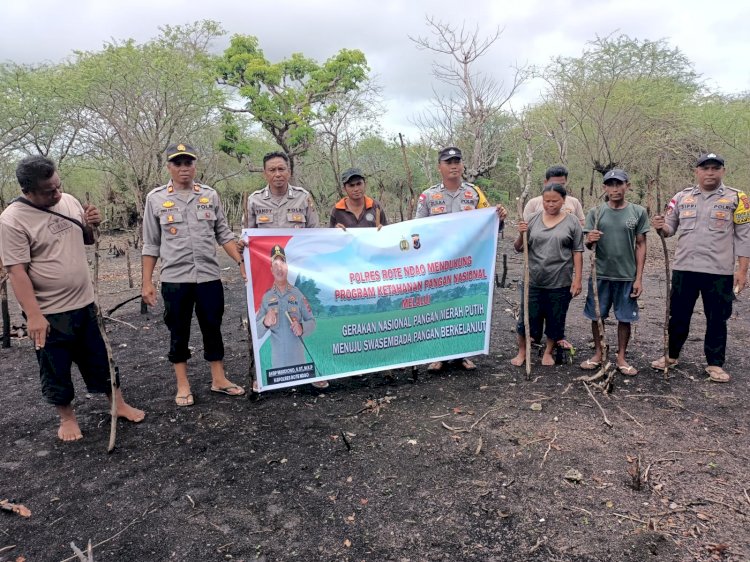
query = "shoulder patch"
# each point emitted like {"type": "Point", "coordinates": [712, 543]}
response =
{"type": "Point", "coordinates": [742, 212]}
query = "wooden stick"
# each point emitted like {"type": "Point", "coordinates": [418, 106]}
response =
{"type": "Point", "coordinates": [4, 307]}
{"type": "Point", "coordinates": [526, 323]}
{"type": "Point", "coordinates": [606, 419]}
{"type": "Point", "coordinates": [103, 332]}
{"type": "Point", "coordinates": [667, 281]}
{"type": "Point", "coordinates": [595, 290]}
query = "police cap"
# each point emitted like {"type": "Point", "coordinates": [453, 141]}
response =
{"type": "Point", "coordinates": [180, 149]}
{"type": "Point", "coordinates": [449, 152]}
{"type": "Point", "coordinates": [278, 252]}
{"type": "Point", "coordinates": [710, 157]}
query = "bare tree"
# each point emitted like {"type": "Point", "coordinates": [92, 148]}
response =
{"type": "Point", "coordinates": [471, 114]}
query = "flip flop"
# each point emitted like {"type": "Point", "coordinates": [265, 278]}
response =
{"type": "Point", "coordinates": [468, 364]}
{"type": "Point", "coordinates": [435, 367]}
{"type": "Point", "coordinates": [320, 385]}
{"type": "Point", "coordinates": [229, 390]}
{"type": "Point", "coordinates": [628, 370]}
{"type": "Point", "coordinates": [590, 365]}
{"type": "Point", "coordinates": [184, 401]}
{"type": "Point", "coordinates": [717, 374]}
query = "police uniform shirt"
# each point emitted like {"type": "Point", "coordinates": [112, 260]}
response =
{"type": "Point", "coordinates": [437, 200]}
{"type": "Point", "coordinates": [182, 227]}
{"type": "Point", "coordinates": [712, 229]}
{"type": "Point", "coordinates": [286, 348]}
{"type": "Point", "coordinates": [293, 210]}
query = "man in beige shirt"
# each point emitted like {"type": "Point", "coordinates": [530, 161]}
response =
{"type": "Point", "coordinates": [42, 237]}
{"type": "Point", "coordinates": [572, 206]}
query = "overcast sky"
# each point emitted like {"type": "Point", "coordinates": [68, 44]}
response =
{"type": "Point", "coordinates": [713, 35]}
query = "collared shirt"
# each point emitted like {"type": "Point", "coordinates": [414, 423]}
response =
{"type": "Point", "coordinates": [437, 200]}
{"type": "Point", "coordinates": [340, 214]}
{"type": "Point", "coordinates": [286, 348]}
{"type": "Point", "coordinates": [182, 227]}
{"type": "Point", "coordinates": [54, 250]}
{"type": "Point", "coordinates": [712, 229]}
{"type": "Point", "coordinates": [294, 210]}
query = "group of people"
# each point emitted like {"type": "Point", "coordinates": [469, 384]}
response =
{"type": "Point", "coordinates": [44, 231]}
{"type": "Point", "coordinates": [712, 222]}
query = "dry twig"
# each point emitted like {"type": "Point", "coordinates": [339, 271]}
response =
{"type": "Point", "coordinates": [606, 419]}
{"type": "Point", "coordinates": [549, 448]}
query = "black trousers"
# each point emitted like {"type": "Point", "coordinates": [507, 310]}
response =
{"type": "Point", "coordinates": [717, 295]}
{"type": "Point", "coordinates": [208, 301]}
{"type": "Point", "coordinates": [548, 309]}
{"type": "Point", "coordinates": [74, 337]}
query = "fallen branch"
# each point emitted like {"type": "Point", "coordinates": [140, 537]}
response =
{"type": "Point", "coordinates": [7, 548]}
{"type": "Point", "coordinates": [123, 303]}
{"type": "Point", "coordinates": [639, 424]}
{"type": "Point", "coordinates": [744, 491]}
{"type": "Point", "coordinates": [606, 420]}
{"type": "Point", "coordinates": [117, 534]}
{"type": "Point", "coordinates": [631, 518]}
{"type": "Point", "coordinates": [549, 448]}
{"type": "Point", "coordinates": [17, 508]}
{"type": "Point", "coordinates": [88, 557]}
{"type": "Point", "coordinates": [128, 324]}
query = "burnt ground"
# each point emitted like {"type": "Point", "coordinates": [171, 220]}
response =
{"type": "Point", "coordinates": [455, 466]}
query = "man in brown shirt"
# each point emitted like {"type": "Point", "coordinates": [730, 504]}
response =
{"type": "Point", "coordinates": [356, 210]}
{"type": "Point", "coordinates": [42, 247]}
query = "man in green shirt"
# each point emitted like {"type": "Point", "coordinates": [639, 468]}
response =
{"type": "Point", "coordinates": [618, 228]}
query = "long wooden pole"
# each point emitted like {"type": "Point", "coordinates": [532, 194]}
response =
{"type": "Point", "coordinates": [525, 238]}
{"type": "Point", "coordinates": [595, 289]}
{"type": "Point", "coordinates": [105, 339]}
{"type": "Point", "coordinates": [667, 273]}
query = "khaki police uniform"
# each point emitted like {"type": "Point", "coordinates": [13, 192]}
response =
{"type": "Point", "coordinates": [183, 227]}
{"type": "Point", "coordinates": [437, 200]}
{"type": "Point", "coordinates": [294, 210]}
{"type": "Point", "coordinates": [183, 232]}
{"type": "Point", "coordinates": [286, 348]}
{"type": "Point", "coordinates": [713, 228]}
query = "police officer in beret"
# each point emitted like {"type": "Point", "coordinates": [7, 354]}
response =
{"type": "Point", "coordinates": [182, 223]}
{"type": "Point", "coordinates": [285, 312]}
{"type": "Point", "coordinates": [453, 195]}
{"type": "Point", "coordinates": [712, 222]}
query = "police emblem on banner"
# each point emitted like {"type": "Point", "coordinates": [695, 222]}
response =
{"type": "Point", "coordinates": [415, 241]}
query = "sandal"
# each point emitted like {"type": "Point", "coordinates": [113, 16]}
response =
{"type": "Point", "coordinates": [659, 363]}
{"type": "Point", "coordinates": [435, 367]}
{"type": "Point", "coordinates": [717, 374]}
{"type": "Point", "coordinates": [628, 370]}
{"type": "Point", "coordinates": [320, 385]}
{"type": "Point", "coordinates": [468, 364]}
{"type": "Point", "coordinates": [590, 365]}
{"type": "Point", "coordinates": [186, 400]}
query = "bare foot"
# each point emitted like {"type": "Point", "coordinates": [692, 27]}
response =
{"type": "Point", "coordinates": [518, 360]}
{"type": "Point", "coordinates": [127, 411]}
{"type": "Point", "coordinates": [69, 430]}
{"type": "Point", "coordinates": [548, 360]}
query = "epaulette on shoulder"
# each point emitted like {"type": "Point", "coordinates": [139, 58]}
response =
{"type": "Point", "coordinates": [689, 188]}
{"type": "Point", "coordinates": [733, 189]}
{"type": "Point", "coordinates": [298, 188]}
{"type": "Point", "coordinates": [157, 189]}
{"type": "Point", "coordinates": [258, 191]}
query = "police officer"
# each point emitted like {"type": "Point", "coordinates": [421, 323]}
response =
{"type": "Point", "coordinates": [712, 221]}
{"type": "Point", "coordinates": [356, 210]}
{"type": "Point", "coordinates": [280, 205]}
{"type": "Point", "coordinates": [285, 312]}
{"type": "Point", "coordinates": [453, 195]}
{"type": "Point", "coordinates": [182, 222]}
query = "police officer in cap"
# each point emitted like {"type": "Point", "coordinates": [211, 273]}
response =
{"type": "Point", "coordinates": [182, 223]}
{"type": "Point", "coordinates": [453, 195]}
{"type": "Point", "coordinates": [712, 221]}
